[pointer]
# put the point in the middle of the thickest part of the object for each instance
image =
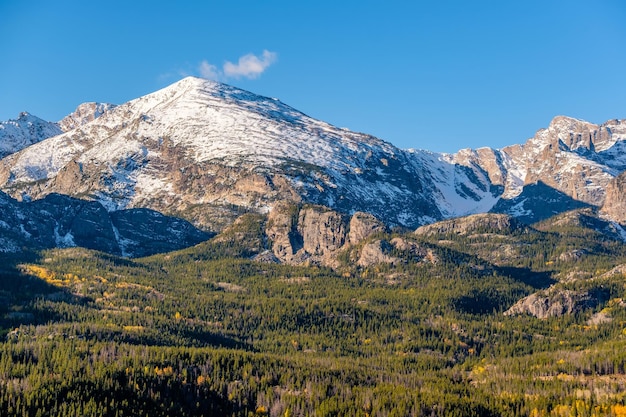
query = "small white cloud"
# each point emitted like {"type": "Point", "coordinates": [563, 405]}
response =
{"type": "Point", "coordinates": [209, 71]}
{"type": "Point", "coordinates": [249, 66]}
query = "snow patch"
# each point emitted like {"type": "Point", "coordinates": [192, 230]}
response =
{"type": "Point", "coordinates": [123, 243]}
{"type": "Point", "coordinates": [65, 241]}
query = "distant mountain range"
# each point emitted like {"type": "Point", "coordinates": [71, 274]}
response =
{"type": "Point", "coordinates": [208, 152]}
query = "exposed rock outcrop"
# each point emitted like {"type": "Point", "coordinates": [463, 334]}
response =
{"type": "Point", "coordinates": [572, 255]}
{"type": "Point", "coordinates": [311, 234]}
{"type": "Point", "coordinates": [565, 157]}
{"type": "Point", "coordinates": [376, 252]}
{"type": "Point", "coordinates": [323, 231]}
{"type": "Point", "coordinates": [318, 234]}
{"type": "Point", "coordinates": [618, 270]}
{"type": "Point", "coordinates": [477, 223]}
{"type": "Point", "coordinates": [556, 302]}
{"type": "Point", "coordinates": [282, 231]}
{"type": "Point", "coordinates": [615, 203]}
{"type": "Point", "coordinates": [415, 251]}
{"type": "Point", "coordinates": [382, 252]}
{"type": "Point", "coordinates": [363, 225]}
{"type": "Point", "coordinates": [586, 218]}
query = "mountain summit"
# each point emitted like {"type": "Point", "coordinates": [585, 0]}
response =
{"type": "Point", "coordinates": [209, 152]}
{"type": "Point", "coordinates": [24, 131]}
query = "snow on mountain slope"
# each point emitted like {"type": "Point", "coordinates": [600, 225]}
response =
{"type": "Point", "coordinates": [460, 189]}
{"type": "Point", "coordinates": [224, 123]}
{"type": "Point", "coordinates": [573, 161]}
{"type": "Point", "coordinates": [576, 157]}
{"type": "Point", "coordinates": [201, 143]}
{"type": "Point", "coordinates": [208, 152]}
{"type": "Point", "coordinates": [83, 114]}
{"type": "Point", "coordinates": [27, 129]}
{"type": "Point", "coordinates": [215, 122]}
{"type": "Point", "coordinates": [22, 132]}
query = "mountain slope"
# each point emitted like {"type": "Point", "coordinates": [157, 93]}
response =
{"type": "Point", "coordinates": [209, 152]}
{"type": "Point", "coordinates": [61, 221]}
{"type": "Point", "coordinates": [83, 114]}
{"type": "Point", "coordinates": [571, 163]}
{"type": "Point", "coordinates": [200, 143]}
{"type": "Point", "coordinates": [24, 131]}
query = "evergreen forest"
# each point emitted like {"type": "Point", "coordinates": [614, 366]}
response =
{"type": "Point", "coordinates": [209, 331]}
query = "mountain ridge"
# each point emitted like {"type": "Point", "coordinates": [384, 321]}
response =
{"type": "Point", "coordinates": [58, 221]}
{"type": "Point", "coordinates": [17, 134]}
{"type": "Point", "coordinates": [209, 152]}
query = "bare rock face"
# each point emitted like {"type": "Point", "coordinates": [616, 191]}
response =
{"type": "Point", "coordinates": [572, 255]}
{"type": "Point", "coordinates": [618, 270]}
{"type": "Point", "coordinates": [415, 251]}
{"type": "Point", "coordinates": [615, 203]}
{"type": "Point", "coordinates": [363, 225]}
{"type": "Point", "coordinates": [477, 223]}
{"type": "Point", "coordinates": [323, 230]}
{"type": "Point", "coordinates": [571, 153]}
{"type": "Point", "coordinates": [282, 232]}
{"type": "Point", "coordinates": [376, 252]}
{"type": "Point", "coordinates": [318, 234]}
{"type": "Point", "coordinates": [572, 133]}
{"type": "Point", "coordinates": [266, 257]}
{"type": "Point", "coordinates": [557, 302]}
{"type": "Point", "coordinates": [487, 159]}
{"type": "Point", "coordinates": [381, 252]}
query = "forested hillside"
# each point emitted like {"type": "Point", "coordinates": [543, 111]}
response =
{"type": "Point", "coordinates": [210, 332]}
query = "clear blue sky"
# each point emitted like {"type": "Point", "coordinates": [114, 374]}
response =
{"type": "Point", "coordinates": [437, 75]}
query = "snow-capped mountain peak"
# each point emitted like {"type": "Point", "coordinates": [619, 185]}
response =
{"type": "Point", "coordinates": [24, 131]}
{"type": "Point", "coordinates": [207, 152]}
{"type": "Point", "coordinates": [199, 142]}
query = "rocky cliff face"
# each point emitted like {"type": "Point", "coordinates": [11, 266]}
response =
{"type": "Point", "coordinates": [615, 203]}
{"type": "Point", "coordinates": [312, 234]}
{"type": "Point", "coordinates": [323, 231]}
{"type": "Point", "coordinates": [393, 252]}
{"type": "Point", "coordinates": [556, 302]}
{"type": "Point", "coordinates": [569, 154]}
{"type": "Point", "coordinates": [572, 160]}
{"type": "Point", "coordinates": [477, 223]}
{"type": "Point", "coordinates": [362, 225]}
{"type": "Point", "coordinates": [282, 232]}
{"type": "Point", "coordinates": [377, 252]}
{"type": "Point", "coordinates": [318, 235]}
